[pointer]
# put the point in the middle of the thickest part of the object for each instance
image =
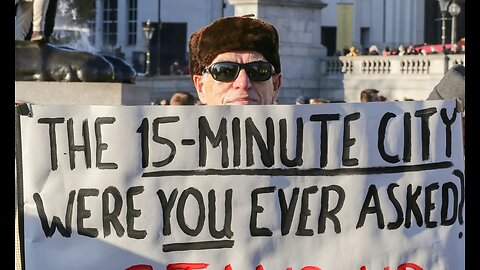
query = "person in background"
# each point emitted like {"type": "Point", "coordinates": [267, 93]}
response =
{"type": "Point", "coordinates": [50, 18]}
{"type": "Point", "coordinates": [175, 68]}
{"type": "Point", "coordinates": [352, 51]}
{"type": "Point", "coordinates": [452, 86]}
{"type": "Point", "coordinates": [318, 101]}
{"type": "Point", "coordinates": [411, 50]}
{"type": "Point", "coordinates": [401, 50]}
{"type": "Point", "coordinates": [182, 98]}
{"type": "Point", "coordinates": [373, 50]}
{"type": "Point", "coordinates": [302, 100]}
{"type": "Point", "coordinates": [30, 12]}
{"type": "Point", "coordinates": [461, 44]}
{"type": "Point", "coordinates": [369, 95]}
{"type": "Point", "coordinates": [454, 49]}
{"type": "Point", "coordinates": [163, 101]}
{"type": "Point", "coordinates": [386, 51]}
{"type": "Point", "coordinates": [235, 61]}
{"type": "Point", "coordinates": [49, 21]}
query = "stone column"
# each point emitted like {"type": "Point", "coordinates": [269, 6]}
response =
{"type": "Point", "coordinates": [122, 28]}
{"type": "Point", "coordinates": [98, 24]}
{"type": "Point", "coordinates": [298, 23]}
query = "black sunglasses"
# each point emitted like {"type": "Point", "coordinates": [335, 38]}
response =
{"type": "Point", "coordinates": [257, 71]}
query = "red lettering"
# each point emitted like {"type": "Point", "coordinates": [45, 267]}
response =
{"type": "Point", "coordinates": [404, 266]}
{"type": "Point", "coordinates": [186, 266]}
{"type": "Point", "coordinates": [413, 266]}
{"type": "Point", "coordinates": [192, 266]}
{"type": "Point", "coordinates": [140, 267]}
{"type": "Point", "coordinates": [260, 267]}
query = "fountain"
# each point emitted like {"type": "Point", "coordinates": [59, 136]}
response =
{"type": "Point", "coordinates": [71, 31]}
{"type": "Point", "coordinates": [66, 62]}
{"type": "Point", "coordinates": [75, 37]}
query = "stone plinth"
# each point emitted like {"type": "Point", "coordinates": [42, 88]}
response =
{"type": "Point", "coordinates": [298, 23]}
{"type": "Point", "coordinates": [81, 93]}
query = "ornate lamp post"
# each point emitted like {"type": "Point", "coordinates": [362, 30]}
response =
{"type": "Point", "coordinates": [148, 30]}
{"type": "Point", "coordinates": [454, 9]}
{"type": "Point", "coordinates": [443, 10]}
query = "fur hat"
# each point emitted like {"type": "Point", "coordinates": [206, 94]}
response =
{"type": "Point", "coordinates": [229, 34]}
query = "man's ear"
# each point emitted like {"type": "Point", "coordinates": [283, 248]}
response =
{"type": "Point", "coordinates": [198, 83]}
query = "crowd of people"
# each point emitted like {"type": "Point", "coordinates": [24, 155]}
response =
{"type": "Point", "coordinates": [178, 98]}
{"type": "Point", "coordinates": [366, 95]}
{"type": "Point", "coordinates": [188, 98]}
{"type": "Point", "coordinates": [423, 49]}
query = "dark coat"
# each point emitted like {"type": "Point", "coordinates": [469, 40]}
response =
{"type": "Point", "coordinates": [451, 86]}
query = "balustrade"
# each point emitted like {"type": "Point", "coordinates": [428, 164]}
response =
{"type": "Point", "coordinates": [385, 65]}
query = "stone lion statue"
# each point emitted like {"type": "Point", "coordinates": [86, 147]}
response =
{"type": "Point", "coordinates": [42, 61]}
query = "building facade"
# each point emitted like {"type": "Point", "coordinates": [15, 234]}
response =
{"type": "Point", "coordinates": [344, 23]}
{"type": "Point", "coordinates": [310, 31]}
{"type": "Point", "coordinates": [119, 27]}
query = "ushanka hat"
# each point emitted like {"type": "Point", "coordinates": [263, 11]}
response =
{"type": "Point", "coordinates": [229, 34]}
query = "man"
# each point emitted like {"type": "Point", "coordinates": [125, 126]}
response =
{"type": "Point", "coordinates": [369, 95]}
{"type": "Point", "coordinates": [182, 98]}
{"type": "Point", "coordinates": [235, 61]}
{"type": "Point", "coordinates": [302, 100]}
{"type": "Point", "coordinates": [175, 68]}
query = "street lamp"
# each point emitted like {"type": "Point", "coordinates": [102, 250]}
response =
{"type": "Point", "coordinates": [454, 9]}
{"type": "Point", "coordinates": [443, 10]}
{"type": "Point", "coordinates": [148, 30]}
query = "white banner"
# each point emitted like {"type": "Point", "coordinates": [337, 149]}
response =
{"type": "Point", "coordinates": [363, 186]}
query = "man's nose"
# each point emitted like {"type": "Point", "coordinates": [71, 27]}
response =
{"type": "Point", "coordinates": [242, 81]}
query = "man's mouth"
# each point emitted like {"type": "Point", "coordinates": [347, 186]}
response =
{"type": "Point", "coordinates": [240, 101]}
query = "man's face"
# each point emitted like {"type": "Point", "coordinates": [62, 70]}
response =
{"type": "Point", "coordinates": [240, 91]}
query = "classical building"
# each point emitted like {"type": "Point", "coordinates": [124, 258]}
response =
{"type": "Point", "coordinates": [310, 31]}
{"type": "Point", "coordinates": [361, 23]}
{"type": "Point", "coordinates": [119, 27]}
